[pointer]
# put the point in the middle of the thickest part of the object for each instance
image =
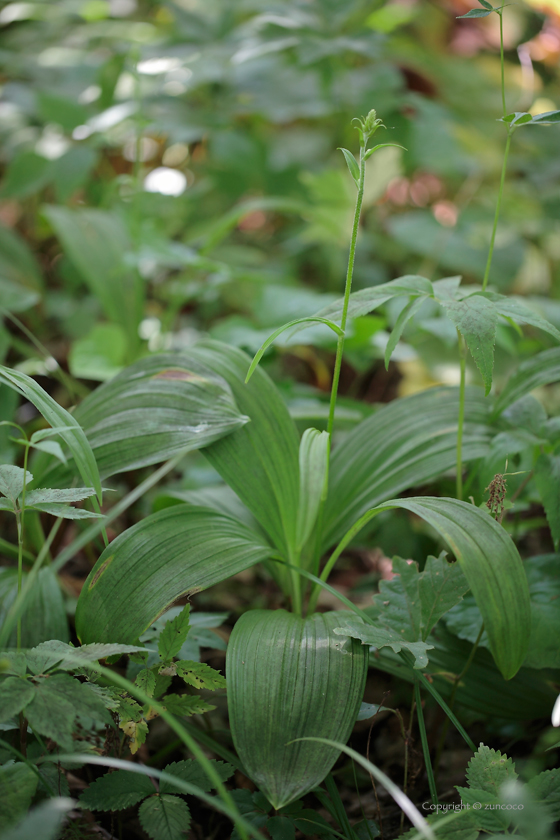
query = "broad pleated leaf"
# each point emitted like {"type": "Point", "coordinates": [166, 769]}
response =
{"type": "Point", "coordinates": [476, 317]}
{"type": "Point", "coordinates": [547, 479]}
{"type": "Point", "coordinates": [179, 550]}
{"type": "Point", "coordinates": [492, 566]}
{"type": "Point", "coordinates": [366, 300]}
{"type": "Point", "coordinates": [312, 474]}
{"type": "Point", "coordinates": [155, 408]}
{"type": "Point", "coordinates": [290, 678]}
{"type": "Point", "coordinates": [44, 616]}
{"type": "Point", "coordinates": [68, 428]}
{"type": "Point", "coordinates": [259, 461]}
{"type": "Point", "coordinates": [530, 374]}
{"type": "Point", "coordinates": [402, 445]}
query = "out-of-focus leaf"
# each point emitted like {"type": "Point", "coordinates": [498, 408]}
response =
{"type": "Point", "coordinates": [12, 480]}
{"type": "Point", "coordinates": [68, 429]}
{"type": "Point", "coordinates": [290, 678]}
{"type": "Point", "coordinates": [547, 479]}
{"type": "Point", "coordinates": [353, 167]}
{"type": "Point", "coordinates": [100, 355]}
{"type": "Point", "coordinates": [26, 174]}
{"type": "Point", "coordinates": [546, 789]}
{"type": "Point", "coordinates": [475, 13]}
{"type": "Point", "coordinates": [17, 787]}
{"type": "Point", "coordinates": [514, 308]}
{"type": "Point", "coordinates": [311, 320]}
{"type": "Point", "coordinates": [541, 369]}
{"type": "Point", "coordinates": [44, 821]}
{"type": "Point", "coordinates": [401, 445]}
{"type": "Point", "coordinates": [44, 616]}
{"type": "Point", "coordinates": [406, 314]}
{"type": "Point", "coordinates": [179, 550]}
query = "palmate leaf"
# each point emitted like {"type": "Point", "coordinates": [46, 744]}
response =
{"type": "Point", "coordinates": [490, 563]}
{"type": "Point", "coordinates": [68, 428]}
{"type": "Point", "coordinates": [402, 445]}
{"type": "Point", "coordinates": [260, 460]}
{"type": "Point", "coordinates": [290, 678]}
{"type": "Point", "coordinates": [381, 636]}
{"type": "Point", "coordinates": [180, 550]}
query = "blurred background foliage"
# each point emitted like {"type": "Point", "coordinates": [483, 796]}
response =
{"type": "Point", "coordinates": [170, 169]}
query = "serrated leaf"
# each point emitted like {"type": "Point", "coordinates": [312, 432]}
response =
{"type": "Point", "coordinates": [15, 695]}
{"type": "Point", "coordinates": [65, 511]}
{"type": "Point", "coordinates": [42, 495]}
{"type": "Point", "coordinates": [67, 658]}
{"type": "Point", "coordinates": [136, 731]}
{"type": "Point", "coordinates": [200, 675]}
{"type": "Point", "coordinates": [191, 771]}
{"type": "Point", "coordinates": [404, 317]}
{"type": "Point", "coordinates": [12, 480]}
{"type": "Point", "coordinates": [18, 783]}
{"type": "Point", "coordinates": [165, 817]}
{"type": "Point", "coordinates": [546, 789]}
{"type": "Point", "coordinates": [547, 479]}
{"type": "Point", "coordinates": [281, 828]}
{"type": "Point", "coordinates": [353, 167]}
{"type": "Point", "coordinates": [117, 790]}
{"type": "Point", "coordinates": [57, 701]}
{"type": "Point", "coordinates": [313, 456]}
{"type": "Point", "coordinates": [174, 634]}
{"type": "Point", "coordinates": [488, 770]}
{"type": "Point", "coordinates": [484, 818]}
{"type": "Point", "coordinates": [180, 550]}
{"type": "Point", "coordinates": [476, 317]}
{"type": "Point", "coordinates": [475, 13]}
{"type": "Point", "coordinates": [146, 680]}
{"type": "Point", "coordinates": [379, 637]}
{"type": "Point", "coordinates": [128, 709]}
{"type": "Point", "coordinates": [185, 705]}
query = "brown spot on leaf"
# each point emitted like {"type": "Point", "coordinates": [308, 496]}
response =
{"type": "Point", "coordinates": [179, 374]}
{"type": "Point", "coordinates": [100, 571]}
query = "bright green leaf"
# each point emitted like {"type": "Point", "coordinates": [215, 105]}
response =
{"type": "Point", "coordinates": [200, 675]}
{"type": "Point", "coordinates": [313, 451]}
{"type": "Point", "coordinates": [12, 480]}
{"type": "Point", "coordinates": [353, 167]}
{"type": "Point", "coordinates": [489, 770]}
{"type": "Point", "coordinates": [146, 680]}
{"type": "Point", "coordinates": [174, 634]}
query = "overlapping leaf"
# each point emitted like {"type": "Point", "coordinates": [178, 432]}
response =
{"type": "Point", "coordinates": [179, 550]}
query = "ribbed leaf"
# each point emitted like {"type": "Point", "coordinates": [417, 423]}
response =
{"type": "Point", "coordinates": [530, 374]}
{"type": "Point", "coordinates": [44, 617]}
{"type": "Point", "coordinates": [179, 550]}
{"type": "Point", "coordinates": [492, 566]}
{"type": "Point", "coordinates": [68, 428]}
{"type": "Point", "coordinates": [155, 408]}
{"type": "Point", "coordinates": [260, 460]}
{"type": "Point", "coordinates": [514, 308]}
{"type": "Point", "coordinates": [290, 678]}
{"type": "Point", "coordinates": [402, 445]}
{"type": "Point", "coordinates": [312, 474]}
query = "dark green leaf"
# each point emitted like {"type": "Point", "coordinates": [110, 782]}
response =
{"type": "Point", "coordinates": [547, 479]}
{"type": "Point", "coordinates": [146, 680]}
{"type": "Point", "coordinates": [281, 828]}
{"type": "Point", "coordinates": [27, 174]}
{"type": "Point", "coordinates": [17, 787]}
{"type": "Point", "coordinates": [44, 616]}
{"type": "Point", "coordinates": [310, 823]}
{"type": "Point", "coordinates": [177, 551]}
{"type": "Point", "coordinates": [288, 678]}
{"type": "Point", "coordinates": [174, 634]}
{"type": "Point", "coordinates": [200, 675]}
{"type": "Point", "coordinates": [353, 167]}
{"type": "Point", "coordinates": [476, 319]}
{"type": "Point", "coordinates": [191, 771]}
{"type": "Point", "coordinates": [115, 791]}
{"type": "Point", "coordinates": [165, 817]}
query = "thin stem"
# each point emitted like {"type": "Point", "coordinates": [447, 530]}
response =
{"type": "Point", "coordinates": [500, 15]}
{"type": "Point", "coordinates": [456, 683]}
{"type": "Point", "coordinates": [497, 214]}
{"type": "Point", "coordinates": [20, 529]}
{"type": "Point", "coordinates": [337, 366]}
{"type": "Point", "coordinates": [461, 420]}
{"type": "Point", "coordinates": [425, 746]}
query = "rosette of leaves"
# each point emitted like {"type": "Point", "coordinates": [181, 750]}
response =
{"type": "Point", "coordinates": [163, 813]}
